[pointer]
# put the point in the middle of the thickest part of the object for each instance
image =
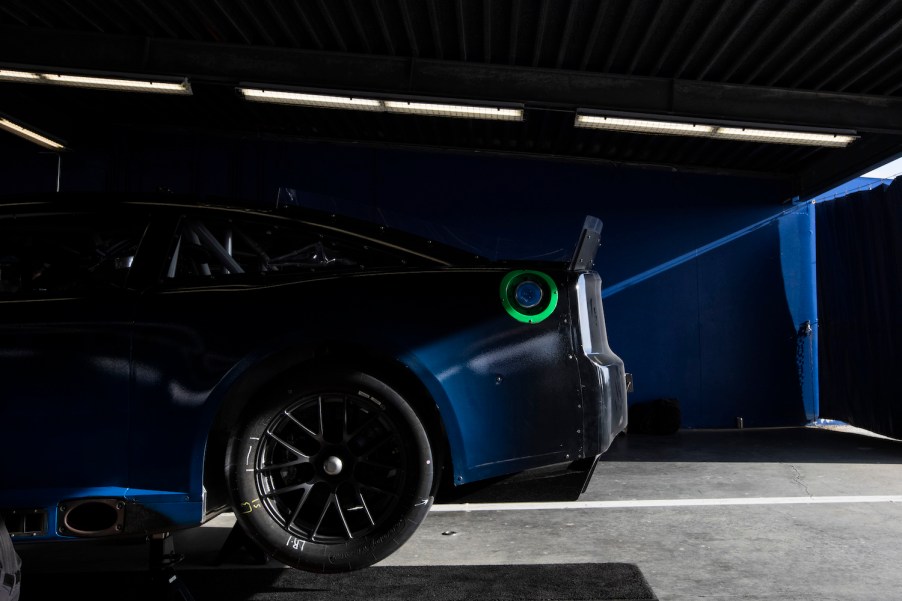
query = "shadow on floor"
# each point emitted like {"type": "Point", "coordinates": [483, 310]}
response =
{"type": "Point", "coordinates": [586, 581]}
{"type": "Point", "coordinates": [786, 445]}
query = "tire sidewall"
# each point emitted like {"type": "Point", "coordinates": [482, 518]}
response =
{"type": "Point", "coordinates": [283, 546]}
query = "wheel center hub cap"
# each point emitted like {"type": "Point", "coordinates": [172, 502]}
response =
{"type": "Point", "coordinates": [332, 466]}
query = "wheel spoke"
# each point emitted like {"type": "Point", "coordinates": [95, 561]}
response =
{"type": "Point", "coordinates": [341, 514]}
{"type": "Point", "coordinates": [366, 509]}
{"type": "Point", "coordinates": [334, 419]}
{"type": "Point", "coordinates": [287, 445]}
{"type": "Point", "coordinates": [359, 429]}
{"type": "Point", "coordinates": [297, 509]}
{"type": "Point", "coordinates": [391, 470]}
{"type": "Point", "coordinates": [344, 422]}
{"type": "Point", "coordinates": [278, 466]}
{"type": "Point", "coordinates": [303, 428]}
{"type": "Point", "coordinates": [376, 446]}
{"type": "Point", "coordinates": [332, 500]}
{"type": "Point", "coordinates": [380, 490]}
{"type": "Point", "coordinates": [286, 489]}
{"type": "Point", "coordinates": [320, 520]}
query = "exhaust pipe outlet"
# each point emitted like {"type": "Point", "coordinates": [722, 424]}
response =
{"type": "Point", "coordinates": [91, 517]}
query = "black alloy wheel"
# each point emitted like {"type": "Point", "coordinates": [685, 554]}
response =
{"type": "Point", "coordinates": [332, 476]}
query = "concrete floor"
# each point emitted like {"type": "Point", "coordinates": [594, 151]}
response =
{"type": "Point", "coordinates": [810, 514]}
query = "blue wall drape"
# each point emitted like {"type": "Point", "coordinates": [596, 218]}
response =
{"type": "Point", "coordinates": [859, 278]}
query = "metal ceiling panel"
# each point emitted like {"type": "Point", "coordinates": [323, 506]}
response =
{"type": "Point", "coordinates": [813, 63]}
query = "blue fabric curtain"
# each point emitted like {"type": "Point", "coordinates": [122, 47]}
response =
{"type": "Point", "coordinates": [859, 279]}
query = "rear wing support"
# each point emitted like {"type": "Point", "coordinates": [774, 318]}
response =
{"type": "Point", "coordinates": [587, 245]}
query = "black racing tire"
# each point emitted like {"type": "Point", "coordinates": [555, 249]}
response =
{"type": "Point", "coordinates": [331, 473]}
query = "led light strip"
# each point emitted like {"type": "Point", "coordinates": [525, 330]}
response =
{"type": "Point", "coordinates": [316, 100]}
{"type": "Point", "coordinates": [711, 130]}
{"type": "Point", "coordinates": [783, 137]}
{"type": "Point", "coordinates": [436, 109]}
{"type": "Point", "coordinates": [454, 110]}
{"type": "Point", "coordinates": [32, 136]}
{"type": "Point", "coordinates": [8, 75]}
{"type": "Point", "coordinates": [105, 83]}
{"type": "Point", "coordinates": [643, 126]}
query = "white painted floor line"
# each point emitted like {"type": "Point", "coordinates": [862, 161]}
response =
{"type": "Point", "coordinates": [665, 503]}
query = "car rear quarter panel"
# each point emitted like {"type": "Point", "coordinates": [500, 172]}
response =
{"type": "Point", "coordinates": [508, 393]}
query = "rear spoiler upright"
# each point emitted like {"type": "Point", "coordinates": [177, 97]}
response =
{"type": "Point", "coordinates": [587, 245]}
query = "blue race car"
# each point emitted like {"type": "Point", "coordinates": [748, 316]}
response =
{"type": "Point", "coordinates": [326, 379]}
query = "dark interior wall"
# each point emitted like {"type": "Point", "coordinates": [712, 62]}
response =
{"type": "Point", "coordinates": [25, 168]}
{"type": "Point", "coordinates": [698, 308]}
{"type": "Point", "coordinates": [859, 246]}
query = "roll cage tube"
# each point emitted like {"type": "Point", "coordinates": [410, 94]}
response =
{"type": "Point", "coordinates": [194, 233]}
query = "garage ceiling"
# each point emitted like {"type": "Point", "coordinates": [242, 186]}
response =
{"type": "Point", "coordinates": [833, 64]}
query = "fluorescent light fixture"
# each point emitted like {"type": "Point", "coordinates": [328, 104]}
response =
{"type": "Point", "coordinates": [28, 134]}
{"type": "Point", "coordinates": [106, 83]}
{"type": "Point", "coordinates": [647, 124]}
{"type": "Point", "coordinates": [316, 100]}
{"type": "Point", "coordinates": [417, 106]}
{"type": "Point", "coordinates": [8, 75]}
{"type": "Point", "coordinates": [494, 113]}
{"type": "Point", "coordinates": [643, 125]}
{"type": "Point", "coordinates": [783, 137]}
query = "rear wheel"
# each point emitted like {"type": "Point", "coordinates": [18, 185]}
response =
{"type": "Point", "coordinates": [332, 475]}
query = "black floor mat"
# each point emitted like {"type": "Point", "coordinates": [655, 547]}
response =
{"type": "Point", "coordinates": [547, 582]}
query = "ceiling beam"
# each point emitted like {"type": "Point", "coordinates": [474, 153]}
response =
{"type": "Point", "coordinates": [537, 88]}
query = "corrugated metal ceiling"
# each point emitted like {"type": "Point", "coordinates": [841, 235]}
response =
{"type": "Point", "coordinates": [815, 63]}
